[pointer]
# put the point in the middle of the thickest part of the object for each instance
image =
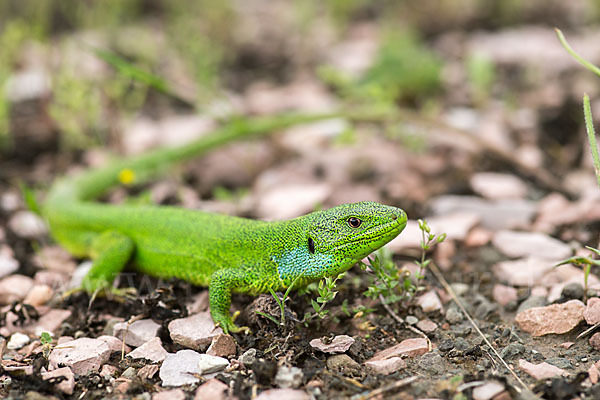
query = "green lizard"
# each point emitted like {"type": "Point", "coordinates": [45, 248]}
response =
{"type": "Point", "coordinates": [226, 253]}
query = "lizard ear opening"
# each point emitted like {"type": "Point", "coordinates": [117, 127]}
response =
{"type": "Point", "coordinates": [311, 245]}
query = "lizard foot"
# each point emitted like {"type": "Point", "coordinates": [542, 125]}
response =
{"type": "Point", "coordinates": [229, 326]}
{"type": "Point", "coordinates": [114, 294]}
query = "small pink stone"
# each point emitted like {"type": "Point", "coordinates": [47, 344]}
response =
{"type": "Point", "coordinates": [65, 386]}
{"type": "Point", "coordinates": [427, 325]}
{"type": "Point", "coordinates": [595, 341]}
{"type": "Point", "coordinates": [555, 318]}
{"type": "Point", "coordinates": [592, 311]}
{"type": "Point", "coordinates": [504, 294]}
{"type": "Point", "coordinates": [387, 366]}
{"type": "Point", "coordinates": [211, 389]}
{"type": "Point", "coordinates": [339, 344]}
{"type": "Point", "coordinates": [222, 345]}
{"type": "Point", "coordinates": [542, 370]}
{"type": "Point", "coordinates": [409, 348]}
{"type": "Point", "coordinates": [430, 302]}
{"type": "Point", "coordinates": [173, 394]}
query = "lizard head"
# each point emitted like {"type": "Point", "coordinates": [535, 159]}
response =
{"type": "Point", "coordinates": [350, 232]}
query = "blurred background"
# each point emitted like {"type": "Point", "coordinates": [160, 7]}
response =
{"type": "Point", "coordinates": [435, 91]}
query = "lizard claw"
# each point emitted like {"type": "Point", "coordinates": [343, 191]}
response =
{"type": "Point", "coordinates": [229, 326]}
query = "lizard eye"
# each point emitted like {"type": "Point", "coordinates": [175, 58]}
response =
{"type": "Point", "coordinates": [311, 245]}
{"type": "Point", "coordinates": [354, 222]}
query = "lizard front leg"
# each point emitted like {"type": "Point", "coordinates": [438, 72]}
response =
{"type": "Point", "coordinates": [242, 280]}
{"type": "Point", "coordinates": [222, 283]}
{"type": "Point", "coordinates": [110, 252]}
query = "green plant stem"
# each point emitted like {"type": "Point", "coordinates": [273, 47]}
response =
{"type": "Point", "coordinates": [589, 127]}
{"type": "Point", "coordinates": [576, 56]}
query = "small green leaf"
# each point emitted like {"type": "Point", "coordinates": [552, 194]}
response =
{"type": "Point", "coordinates": [45, 338]}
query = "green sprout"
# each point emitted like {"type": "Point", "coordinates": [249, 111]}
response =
{"type": "Point", "coordinates": [47, 345]}
{"type": "Point", "coordinates": [585, 262]}
{"type": "Point", "coordinates": [393, 284]}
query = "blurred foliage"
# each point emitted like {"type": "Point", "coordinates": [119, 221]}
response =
{"type": "Point", "coordinates": [481, 73]}
{"type": "Point", "coordinates": [152, 40]}
{"type": "Point", "coordinates": [405, 70]}
{"type": "Point", "coordinates": [76, 108]}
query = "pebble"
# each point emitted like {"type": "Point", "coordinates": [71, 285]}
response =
{"type": "Point", "coordinates": [212, 389]}
{"type": "Point", "coordinates": [493, 185]}
{"type": "Point", "coordinates": [339, 344]}
{"type": "Point", "coordinates": [455, 225]}
{"type": "Point", "coordinates": [65, 386]}
{"type": "Point", "coordinates": [14, 288]}
{"type": "Point", "coordinates": [222, 345]}
{"type": "Point", "coordinates": [594, 374]}
{"type": "Point", "coordinates": [129, 373]}
{"type": "Point", "coordinates": [529, 272]}
{"type": "Point", "coordinates": [503, 294]}
{"type": "Point", "coordinates": [592, 311]}
{"type": "Point", "coordinates": [148, 371]}
{"type": "Point", "coordinates": [530, 244]}
{"type": "Point", "coordinates": [512, 350]}
{"type": "Point", "coordinates": [209, 364]}
{"type": "Point", "coordinates": [433, 363]}
{"type": "Point", "coordinates": [542, 370]}
{"type": "Point", "coordinates": [287, 394]}
{"type": "Point", "coordinates": [427, 326]}
{"type": "Point", "coordinates": [151, 350]}
{"type": "Point", "coordinates": [408, 347]}
{"type": "Point", "coordinates": [595, 341]}
{"type": "Point", "coordinates": [39, 295]}
{"type": "Point", "coordinates": [115, 345]}
{"type": "Point", "coordinates": [173, 394]}
{"type": "Point", "coordinates": [196, 331]}
{"type": "Point", "coordinates": [178, 369]}
{"type": "Point", "coordinates": [27, 225]}
{"type": "Point", "coordinates": [136, 333]}
{"type": "Point", "coordinates": [387, 366]}
{"type": "Point", "coordinates": [461, 344]}
{"type": "Point", "coordinates": [453, 314]}
{"type": "Point", "coordinates": [494, 214]}
{"type": "Point", "coordinates": [484, 307]}
{"type": "Point", "coordinates": [460, 289]}
{"type": "Point", "coordinates": [342, 363]}
{"type": "Point", "coordinates": [291, 200]}
{"type": "Point", "coordinates": [429, 302]}
{"type": "Point", "coordinates": [49, 322]}
{"type": "Point", "coordinates": [82, 355]}
{"type": "Point", "coordinates": [573, 291]}
{"type": "Point", "coordinates": [108, 371]}
{"type": "Point", "coordinates": [289, 377]}
{"type": "Point", "coordinates": [8, 264]}
{"type": "Point", "coordinates": [411, 320]}
{"type": "Point", "coordinates": [560, 362]}
{"type": "Point", "coordinates": [488, 390]}
{"type": "Point", "coordinates": [478, 237]}
{"type": "Point", "coordinates": [17, 341]}
{"type": "Point", "coordinates": [555, 318]}
{"type": "Point", "coordinates": [79, 274]}
{"type": "Point", "coordinates": [56, 259]}
{"type": "Point", "coordinates": [248, 357]}
{"type": "Point", "coordinates": [532, 302]}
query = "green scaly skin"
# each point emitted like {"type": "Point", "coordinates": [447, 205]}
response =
{"type": "Point", "coordinates": [228, 254]}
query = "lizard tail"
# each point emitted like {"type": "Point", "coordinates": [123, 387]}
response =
{"type": "Point", "coordinates": [92, 183]}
